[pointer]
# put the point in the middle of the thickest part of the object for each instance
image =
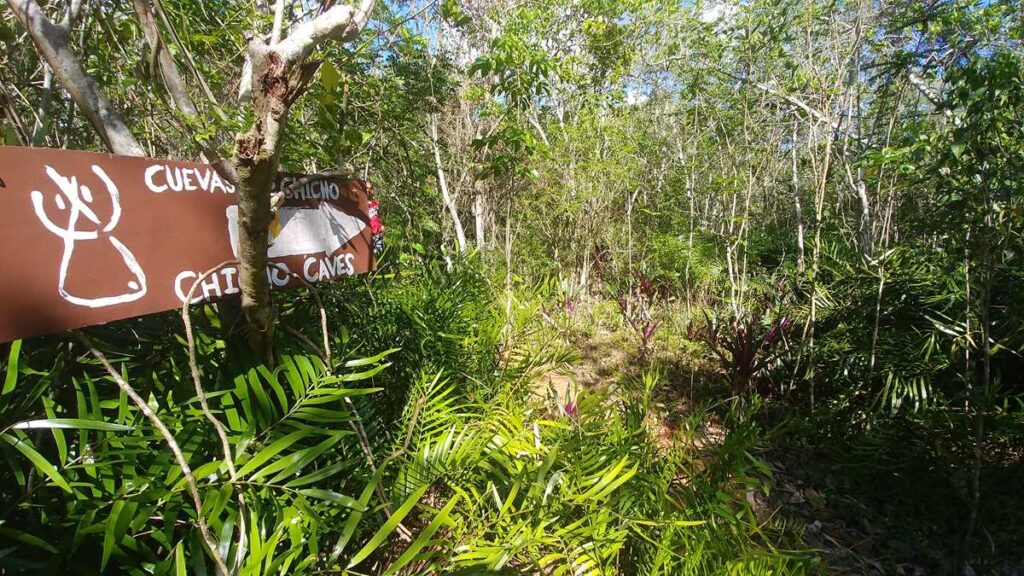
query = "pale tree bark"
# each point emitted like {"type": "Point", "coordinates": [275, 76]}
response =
{"type": "Point", "coordinates": [275, 32]}
{"type": "Point", "coordinates": [52, 41]}
{"type": "Point", "coordinates": [442, 183]}
{"type": "Point", "coordinates": [479, 214]}
{"type": "Point", "coordinates": [43, 113]}
{"type": "Point", "coordinates": [42, 127]}
{"type": "Point", "coordinates": [856, 178]}
{"type": "Point", "coordinates": [800, 265]}
{"type": "Point", "coordinates": [161, 57]}
{"type": "Point", "coordinates": [279, 75]}
{"type": "Point", "coordinates": [177, 88]}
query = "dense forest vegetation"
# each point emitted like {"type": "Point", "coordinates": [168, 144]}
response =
{"type": "Point", "coordinates": [668, 287]}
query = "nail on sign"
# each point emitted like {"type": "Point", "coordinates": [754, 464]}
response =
{"type": "Point", "coordinates": [89, 238]}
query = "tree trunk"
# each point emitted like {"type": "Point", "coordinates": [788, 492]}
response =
{"type": "Point", "coordinates": [278, 76]}
{"type": "Point", "coordinates": [442, 183]}
{"type": "Point", "coordinates": [800, 263]}
{"type": "Point", "coordinates": [479, 214]}
{"type": "Point", "coordinates": [256, 159]}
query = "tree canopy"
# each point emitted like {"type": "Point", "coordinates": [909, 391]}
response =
{"type": "Point", "coordinates": [667, 287]}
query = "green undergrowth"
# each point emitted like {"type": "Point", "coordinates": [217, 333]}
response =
{"type": "Point", "coordinates": [422, 448]}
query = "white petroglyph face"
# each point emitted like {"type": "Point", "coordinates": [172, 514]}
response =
{"type": "Point", "coordinates": [74, 203]}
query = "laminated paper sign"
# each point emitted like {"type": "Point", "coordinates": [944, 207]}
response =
{"type": "Point", "coordinates": [89, 238]}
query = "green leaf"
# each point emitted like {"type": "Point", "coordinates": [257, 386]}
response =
{"type": "Point", "coordinates": [353, 520]}
{"type": "Point", "coordinates": [357, 375]}
{"type": "Point", "coordinates": [58, 435]}
{"type": "Point", "coordinates": [71, 423]}
{"type": "Point", "coordinates": [423, 538]}
{"type": "Point", "coordinates": [10, 136]}
{"type": "Point", "coordinates": [291, 464]}
{"type": "Point", "coordinates": [327, 395]}
{"type": "Point", "coordinates": [319, 475]}
{"type": "Point", "coordinates": [256, 386]}
{"type": "Point", "coordinates": [12, 367]}
{"type": "Point", "coordinates": [41, 464]}
{"type": "Point", "coordinates": [385, 530]}
{"type": "Point", "coordinates": [27, 539]}
{"type": "Point", "coordinates": [331, 496]}
{"type": "Point", "coordinates": [609, 481]}
{"type": "Point", "coordinates": [110, 533]}
{"type": "Point", "coordinates": [274, 449]}
{"type": "Point", "coordinates": [321, 415]}
{"type": "Point", "coordinates": [179, 560]}
{"type": "Point", "coordinates": [354, 137]}
{"type": "Point", "coordinates": [371, 360]}
{"type": "Point", "coordinates": [329, 75]}
{"type": "Point", "coordinates": [275, 385]}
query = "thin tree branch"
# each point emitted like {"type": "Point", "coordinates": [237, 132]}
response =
{"type": "Point", "coordinates": [10, 113]}
{"type": "Point", "coordinates": [340, 23]}
{"type": "Point", "coordinates": [229, 461]}
{"type": "Point", "coordinates": [175, 84]}
{"type": "Point", "coordinates": [925, 90]}
{"type": "Point", "coordinates": [275, 33]}
{"type": "Point", "coordinates": [364, 442]}
{"type": "Point", "coordinates": [157, 423]}
{"type": "Point", "coordinates": [193, 365]}
{"type": "Point", "coordinates": [442, 182]}
{"type": "Point", "coordinates": [158, 8]}
{"type": "Point", "coordinates": [169, 74]}
{"type": "Point", "coordinates": [52, 40]}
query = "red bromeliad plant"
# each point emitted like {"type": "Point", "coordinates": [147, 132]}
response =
{"type": "Point", "coordinates": [636, 306]}
{"type": "Point", "coordinates": [748, 346]}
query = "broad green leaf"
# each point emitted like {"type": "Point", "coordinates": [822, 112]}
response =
{"type": "Point", "coordinates": [11, 378]}
{"type": "Point", "coordinates": [349, 528]}
{"type": "Point", "coordinates": [10, 136]}
{"type": "Point", "coordinates": [179, 560]}
{"type": "Point", "coordinates": [384, 532]}
{"type": "Point", "coordinates": [41, 464]}
{"type": "Point", "coordinates": [609, 481]}
{"type": "Point", "coordinates": [319, 475]}
{"type": "Point", "coordinates": [291, 464]}
{"type": "Point", "coordinates": [204, 470]}
{"type": "Point", "coordinates": [273, 381]}
{"type": "Point", "coordinates": [371, 360]}
{"type": "Point", "coordinates": [357, 375]}
{"type": "Point", "coordinates": [110, 532]}
{"type": "Point", "coordinates": [72, 423]}
{"type": "Point", "coordinates": [423, 537]}
{"type": "Point", "coordinates": [256, 386]}
{"type": "Point", "coordinates": [331, 496]}
{"type": "Point", "coordinates": [25, 538]}
{"type": "Point", "coordinates": [272, 450]}
{"type": "Point", "coordinates": [340, 393]}
{"type": "Point", "coordinates": [329, 75]}
{"type": "Point", "coordinates": [58, 435]}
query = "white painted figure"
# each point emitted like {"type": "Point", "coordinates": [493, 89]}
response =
{"type": "Point", "coordinates": [75, 202]}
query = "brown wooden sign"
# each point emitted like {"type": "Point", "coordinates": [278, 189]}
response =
{"type": "Point", "coordinates": [89, 238]}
